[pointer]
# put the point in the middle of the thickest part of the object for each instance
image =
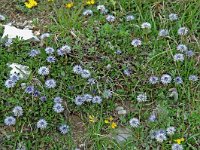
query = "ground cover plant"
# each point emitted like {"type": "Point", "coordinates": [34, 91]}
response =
{"type": "Point", "coordinates": [102, 75]}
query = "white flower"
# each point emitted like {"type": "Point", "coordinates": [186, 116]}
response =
{"type": "Point", "coordinates": [87, 12]}
{"type": "Point", "coordinates": [87, 97]}
{"type": "Point", "coordinates": [153, 80]}
{"type": "Point", "coordinates": [107, 94]}
{"type": "Point", "coordinates": [110, 18]}
{"type": "Point", "coordinates": [9, 121]}
{"type": "Point", "coordinates": [91, 81]}
{"type": "Point", "coordinates": [58, 100]}
{"type": "Point", "coordinates": [182, 31]}
{"type": "Point", "coordinates": [146, 25]}
{"type": "Point", "coordinates": [170, 130]}
{"type": "Point", "coordinates": [134, 122]}
{"type": "Point", "coordinates": [177, 147]}
{"type": "Point", "coordinates": [101, 8]}
{"type": "Point", "coordinates": [79, 100]}
{"type": "Point", "coordinates": [58, 108]}
{"type": "Point", "coordinates": [130, 18]}
{"type": "Point", "coordinates": [85, 73]}
{"type": "Point", "coordinates": [49, 50]}
{"type": "Point", "coordinates": [2, 18]}
{"type": "Point", "coordinates": [64, 129]}
{"type": "Point", "coordinates": [160, 137]}
{"type": "Point", "coordinates": [50, 83]}
{"type": "Point", "coordinates": [136, 42]}
{"type": "Point", "coordinates": [178, 57]}
{"type": "Point", "coordinates": [41, 124]}
{"type": "Point", "coordinates": [96, 99]}
{"type": "Point", "coordinates": [193, 78]}
{"type": "Point", "coordinates": [66, 49]}
{"type": "Point", "coordinates": [9, 83]}
{"type": "Point", "coordinates": [142, 97]}
{"type": "Point", "coordinates": [163, 33]}
{"type": "Point", "coordinates": [173, 17]}
{"type": "Point", "coordinates": [18, 111]}
{"type": "Point", "coordinates": [182, 48]}
{"type": "Point", "coordinates": [178, 80]}
{"type": "Point", "coordinates": [152, 117]}
{"type": "Point", "coordinates": [166, 79]}
{"type": "Point", "coordinates": [43, 71]}
{"type": "Point", "coordinates": [77, 69]}
{"type": "Point", "coordinates": [44, 35]}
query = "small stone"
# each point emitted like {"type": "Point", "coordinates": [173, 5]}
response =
{"type": "Point", "coordinates": [2, 18]}
{"type": "Point", "coordinates": [121, 112]}
{"type": "Point", "coordinates": [108, 67]}
{"type": "Point", "coordinates": [118, 108]}
{"type": "Point", "coordinates": [122, 134]}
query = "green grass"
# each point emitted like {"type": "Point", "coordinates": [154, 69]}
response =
{"type": "Point", "coordinates": [94, 42]}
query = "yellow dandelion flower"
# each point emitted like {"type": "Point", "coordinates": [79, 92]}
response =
{"type": "Point", "coordinates": [90, 2]}
{"type": "Point", "coordinates": [69, 5]}
{"type": "Point", "coordinates": [31, 3]}
{"type": "Point", "coordinates": [92, 118]}
{"type": "Point", "coordinates": [28, 5]}
{"type": "Point", "coordinates": [178, 141]}
{"type": "Point", "coordinates": [113, 125]}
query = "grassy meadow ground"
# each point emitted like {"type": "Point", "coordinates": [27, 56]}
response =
{"type": "Point", "coordinates": [95, 45]}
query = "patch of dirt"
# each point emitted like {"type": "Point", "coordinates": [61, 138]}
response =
{"type": "Point", "coordinates": [10, 10]}
{"type": "Point", "coordinates": [78, 128]}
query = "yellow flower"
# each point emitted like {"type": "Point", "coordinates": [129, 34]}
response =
{"type": "Point", "coordinates": [69, 5]}
{"type": "Point", "coordinates": [31, 3]}
{"type": "Point", "coordinates": [111, 118]}
{"type": "Point", "coordinates": [92, 118]}
{"type": "Point", "coordinates": [113, 125]}
{"type": "Point", "coordinates": [178, 141]}
{"type": "Point", "coordinates": [28, 5]}
{"type": "Point", "coordinates": [106, 121]}
{"type": "Point", "coordinates": [90, 2]}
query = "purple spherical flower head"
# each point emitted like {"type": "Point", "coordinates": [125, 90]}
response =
{"type": "Point", "coordinates": [36, 93]}
{"type": "Point", "coordinates": [58, 108]}
{"type": "Point", "coordinates": [64, 128]}
{"type": "Point", "coordinates": [34, 53]}
{"type": "Point", "coordinates": [96, 99]}
{"type": "Point", "coordinates": [57, 99]}
{"type": "Point", "coordinates": [9, 83]}
{"type": "Point", "coordinates": [51, 59]}
{"type": "Point", "coordinates": [50, 83]}
{"type": "Point", "coordinates": [9, 121]}
{"type": "Point", "coordinates": [178, 80]}
{"type": "Point", "coordinates": [43, 98]}
{"type": "Point", "coordinates": [49, 50]}
{"type": "Point", "coordinates": [79, 100]}
{"type": "Point", "coordinates": [43, 70]}
{"type": "Point", "coordinates": [29, 89]}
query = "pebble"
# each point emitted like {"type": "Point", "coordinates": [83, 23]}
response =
{"type": "Point", "coordinates": [121, 112]}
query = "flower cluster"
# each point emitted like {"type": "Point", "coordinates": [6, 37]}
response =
{"type": "Point", "coordinates": [167, 79]}
{"type": "Point", "coordinates": [161, 134]}
{"type": "Point", "coordinates": [110, 122]}
{"type": "Point", "coordinates": [57, 107]}
{"type": "Point", "coordinates": [77, 69]}
{"type": "Point", "coordinates": [81, 99]}
{"type": "Point", "coordinates": [10, 120]}
{"type": "Point", "coordinates": [11, 82]}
